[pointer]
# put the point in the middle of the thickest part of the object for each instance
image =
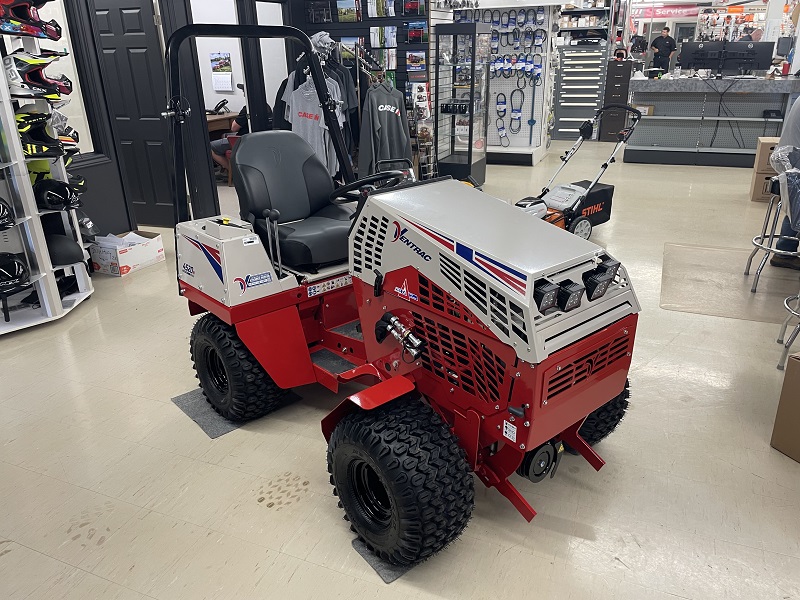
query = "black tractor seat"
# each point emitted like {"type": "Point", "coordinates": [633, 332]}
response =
{"type": "Point", "coordinates": [278, 170]}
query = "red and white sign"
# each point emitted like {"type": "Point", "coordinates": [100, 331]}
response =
{"type": "Point", "coordinates": [666, 12]}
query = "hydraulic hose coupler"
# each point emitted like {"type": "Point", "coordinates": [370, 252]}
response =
{"type": "Point", "coordinates": [391, 324]}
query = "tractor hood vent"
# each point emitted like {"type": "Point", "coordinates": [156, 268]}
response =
{"type": "Point", "coordinates": [368, 243]}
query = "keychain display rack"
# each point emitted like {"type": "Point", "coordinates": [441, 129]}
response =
{"type": "Point", "coordinates": [27, 238]}
{"type": "Point", "coordinates": [520, 79]}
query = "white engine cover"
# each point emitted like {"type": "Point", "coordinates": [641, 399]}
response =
{"type": "Point", "coordinates": [488, 255]}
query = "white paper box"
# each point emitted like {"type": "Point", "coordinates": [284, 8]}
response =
{"type": "Point", "coordinates": [122, 261]}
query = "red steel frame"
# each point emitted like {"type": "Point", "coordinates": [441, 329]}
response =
{"type": "Point", "coordinates": [303, 325]}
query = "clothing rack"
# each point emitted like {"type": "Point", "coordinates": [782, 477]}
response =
{"type": "Point", "coordinates": [366, 63]}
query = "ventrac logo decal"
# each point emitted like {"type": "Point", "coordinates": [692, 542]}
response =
{"type": "Point", "coordinates": [252, 281]}
{"type": "Point", "coordinates": [400, 234]}
{"type": "Point", "coordinates": [389, 108]}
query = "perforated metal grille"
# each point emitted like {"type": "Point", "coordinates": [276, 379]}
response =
{"type": "Point", "coordinates": [508, 316]}
{"type": "Point", "coordinates": [450, 270]}
{"type": "Point", "coordinates": [368, 243]}
{"type": "Point", "coordinates": [435, 298]}
{"type": "Point", "coordinates": [462, 361]}
{"type": "Point", "coordinates": [587, 365]}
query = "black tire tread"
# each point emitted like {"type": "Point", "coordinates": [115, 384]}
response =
{"type": "Point", "coordinates": [254, 393]}
{"type": "Point", "coordinates": [422, 457]}
{"type": "Point", "coordinates": [603, 421]}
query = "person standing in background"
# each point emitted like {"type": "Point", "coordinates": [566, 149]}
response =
{"type": "Point", "coordinates": [663, 47]}
{"type": "Point", "coordinates": [789, 137]}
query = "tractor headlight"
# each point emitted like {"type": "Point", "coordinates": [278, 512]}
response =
{"type": "Point", "coordinates": [597, 283]}
{"type": "Point", "coordinates": [570, 295]}
{"type": "Point", "coordinates": [545, 294]}
{"type": "Point", "coordinates": [609, 266]}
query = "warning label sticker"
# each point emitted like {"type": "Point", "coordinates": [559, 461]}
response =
{"type": "Point", "coordinates": [509, 431]}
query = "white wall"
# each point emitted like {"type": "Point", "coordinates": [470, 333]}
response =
{"type": "Point", "coordinates": [274, 55]}
{"type": "Point", "coordinates": [75, 111]}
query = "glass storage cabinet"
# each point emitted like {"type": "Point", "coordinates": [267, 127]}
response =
{"type": "Point", "coordinates": [461, 99]}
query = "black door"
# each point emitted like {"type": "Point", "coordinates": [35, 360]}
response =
{"type": "Point", "coordinates": [133, 76]}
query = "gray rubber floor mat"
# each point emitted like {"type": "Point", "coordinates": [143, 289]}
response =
{"type": "Point", "coordinates": [351, 330]}
{"type": "Point", "coordinates": [711, 281]}
{"type": "Point", "coordinates": [197, 408]}
{"type": "Point", "coordinates": [331, 362]}
{"type": "Point", "coordinates": [386, 571]}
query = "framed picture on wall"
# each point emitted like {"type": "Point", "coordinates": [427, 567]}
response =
{"type": "Point", "coordinates": [413, 7]}
{"type": "Point", "coordinates": [383, 37]}
{"type": "Point", "coordinates": [416, 32]}
{"type": "Point", "coordinates": [380, 8]}
{"type": "Point", "coordinates": [349, 46]}
{"type": "Point", "coordinates": [348, 11]}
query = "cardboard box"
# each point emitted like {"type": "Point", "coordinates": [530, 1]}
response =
{"type": "Point", "coordinates": [647, 110]}
{"type": "Point", "coordinates": [123, 261]}
{"type": "Point", "coordinates": [760, 186]}
{"type": "Point", "coordinates": [764, 150]}
{"type": "Point", "coordinates": [786, 432]}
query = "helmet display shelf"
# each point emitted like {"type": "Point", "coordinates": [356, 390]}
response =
{"type": "Point", "coordinates": [26, 239]}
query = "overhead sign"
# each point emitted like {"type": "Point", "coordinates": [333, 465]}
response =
{"type": "Point", "coordinates": [676, 11]}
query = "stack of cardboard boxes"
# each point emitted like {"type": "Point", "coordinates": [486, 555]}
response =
{"type": "Point", "coordinates": [762, 170]}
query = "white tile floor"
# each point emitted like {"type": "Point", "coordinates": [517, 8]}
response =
{"type": "Point", "coordinates": [108, 491]}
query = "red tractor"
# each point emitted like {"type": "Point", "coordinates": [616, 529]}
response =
{"type": "Point", "coordinates": [486, 340]}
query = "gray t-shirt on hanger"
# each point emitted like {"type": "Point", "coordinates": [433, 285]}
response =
{"type": "Point", "coordinates": [305, 115]}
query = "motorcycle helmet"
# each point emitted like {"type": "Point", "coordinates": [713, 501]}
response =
{"type": "Point", "coordinates": [88, 229]}
{"type": "Point", "coordinates": [38, 170]}
{"type": "Point", "coordinates": [36, 141]}
{"type": "Point", "coordinates": [78, 183]}
{"type": "Point", "coordinates": [70, 149]}
{"type": "Point", "coordinates": [27, 79]}
{"type": "Point", "coordinates": [52, 194]}
{"type": "Point", "coordinates": [21, 17]}
{"type": "Point", "coordinates": [6, 215]}
{"type": "Point", "coordinates": [14, 273]}
{"type": "Point", "coordinates": [63, 250]}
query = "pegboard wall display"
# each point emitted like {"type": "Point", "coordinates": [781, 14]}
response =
{"type": "Point", "coordinates": [394, 31]}
{"type": "Point", "coordinates": [518, 72]}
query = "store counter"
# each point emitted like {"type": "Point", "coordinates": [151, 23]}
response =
{"type": "Point", "coordinates": [715, 122]}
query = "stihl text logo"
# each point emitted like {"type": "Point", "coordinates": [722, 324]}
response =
{"type": "Point", "coordinates": [389, 108]}
{"type": "Point", "coordinates": [400, 234]}
{"type": "Point", "coordinates": [590, 210]}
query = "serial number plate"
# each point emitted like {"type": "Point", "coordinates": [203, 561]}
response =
{"type": "Point", "coordinates": [330, 285]}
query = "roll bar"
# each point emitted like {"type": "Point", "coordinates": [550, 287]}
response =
{"type": "Point", "coordinates": [179, 113]}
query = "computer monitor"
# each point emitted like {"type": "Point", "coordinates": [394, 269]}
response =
{"type": "Point", "coordinates": [742, 57]}
{"type": "Point", "coordinates": [701, 55]}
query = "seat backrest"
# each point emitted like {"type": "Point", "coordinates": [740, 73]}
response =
{"type": "Point", "coordinates": [279, 170]}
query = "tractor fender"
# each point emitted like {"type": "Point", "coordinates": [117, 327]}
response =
{"type": "Point", "coordinates": [367, 399]}
{"type": "Point", "coordinates": [278, 342]}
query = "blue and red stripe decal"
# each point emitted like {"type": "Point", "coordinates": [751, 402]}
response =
{"type": "Point", "coordinates": [506, 275]}
{"type": "Point", "coordinates": [437, 237]}
{"type": "Point", "coordinates": [212, 254]}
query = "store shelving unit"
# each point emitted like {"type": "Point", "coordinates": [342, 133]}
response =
{"type": "Point", "coordinates": [28, 237]}
{"type": "Point", "coordinates": [581, 81]}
